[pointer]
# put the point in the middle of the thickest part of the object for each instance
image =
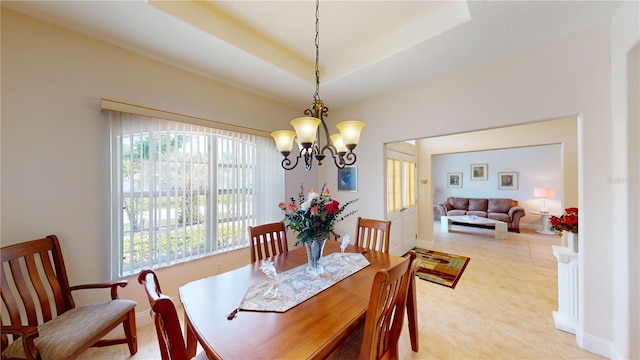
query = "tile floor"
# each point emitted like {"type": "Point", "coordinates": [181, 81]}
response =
{"type": "Point", "coordinates": [500, 309]}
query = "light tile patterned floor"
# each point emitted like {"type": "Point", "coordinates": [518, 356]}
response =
{"type": "Point", "coordinates": [500, 309]}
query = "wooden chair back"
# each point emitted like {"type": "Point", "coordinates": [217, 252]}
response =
{"type": "Point", "coordinates": [373, 234]}
{"type": "Point", "coordinates": [268, 240]}
{"type": "Point", "coordinates": [412, 304]}
{"type": "Point", "coordinates": [165, 316]}
{"type": "Point", "coordinates": [35, 290]}
{"type": "Point", "coordinates": [383, 323]}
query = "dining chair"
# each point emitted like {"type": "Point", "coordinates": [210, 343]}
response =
{"type": "Point", "coordinates": [378, 338]}
{"type": "Point", "coordinates": [40, 317]}
{"type": "Point", "coordinates": [268, 240]}
{"type": "Point", "coordinates": [165, 316]}
{"type": "Point", "coordinates": [373, 234]}
{"type": "Point", "coordinates": [412, 305]}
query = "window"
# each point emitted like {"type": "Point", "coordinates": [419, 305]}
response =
{"type": "Point", "coordinates": [182, 191]}
{"type": "Point", "coordinates": [401, 184]}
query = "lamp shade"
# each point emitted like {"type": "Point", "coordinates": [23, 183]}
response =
{"type": "Point", "coordinates": [306, 129]}
{"type": "Point", "coordinates": [336, 139]}
{"type": "Point", "coordinates": [350, 131]}
{"type": "Point", "coordinates": [543, 192]}
{"type": "Point", "coordinates": [284, 140]}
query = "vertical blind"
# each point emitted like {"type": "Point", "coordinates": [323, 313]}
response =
{"type": "Point", "coordinates": [181, 191]}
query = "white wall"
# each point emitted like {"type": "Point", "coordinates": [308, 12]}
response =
{"type": "Point", "coordinates": [537, 166]}
{"type": "Point", "coordinates": [569, 77]}
{"type": "Point", "coordinates": [625, 179]}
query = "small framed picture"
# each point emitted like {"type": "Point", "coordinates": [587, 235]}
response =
{"type": "Point", "coordinates": [454, 180]}
{"type": "Point", "coordinates": [479, 172]}
{"type": "Point", "coordinates": [348, 178]}
{"type": "Point", "coordinates": [508, 180]}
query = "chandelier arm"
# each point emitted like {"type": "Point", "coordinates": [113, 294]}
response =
{"type": "Point", "coordinates": [349, 158]}
{"type": "Point", "coordinates": [286, 163]}
{"type": "Point", "coordinates": [308, 159]}
{"type": "Point", "coordinates": [337, 158]}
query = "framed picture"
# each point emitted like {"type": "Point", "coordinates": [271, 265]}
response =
{"type": "Point", "coordinates": [479, 172]}
{"type": "Point", "coordinates": [508, 180]}
{"type": "Point", "coordinates": [454, 180]}
{"type": "Point", "coordinates": [348, 178]}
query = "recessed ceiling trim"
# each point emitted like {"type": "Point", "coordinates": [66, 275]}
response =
{"type": "Point", "coordinates": [447, 17]}
{"type": "Point", "coordinates": [208, 18]}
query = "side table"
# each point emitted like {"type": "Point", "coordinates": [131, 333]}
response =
{"type": "Point", "coordinates": [544, 223]}
{"type": "Point", "coordinates": [566, 318]}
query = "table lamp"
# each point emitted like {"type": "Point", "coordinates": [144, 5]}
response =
{"type": "Point", "coordinates": [543, 193]}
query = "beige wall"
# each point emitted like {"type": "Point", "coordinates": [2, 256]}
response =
{"type": "Point", "coordinates": [55, 141]}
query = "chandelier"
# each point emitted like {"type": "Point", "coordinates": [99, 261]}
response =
{"type": "Point", "coordinates": [306, 131]}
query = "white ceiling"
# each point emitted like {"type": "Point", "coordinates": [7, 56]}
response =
{"type": "Point", "coordinates": [366, 47]}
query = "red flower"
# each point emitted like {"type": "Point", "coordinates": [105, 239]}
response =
{"type": "Point", "coordinates": [566, 222]}
{"type": "Point", "coordinates": [333, 207]}
{"type": "Point", "coordinates": [571, 220]}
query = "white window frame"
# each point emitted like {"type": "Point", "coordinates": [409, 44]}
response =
{"type": "Point", "coordinates": [256, 176]}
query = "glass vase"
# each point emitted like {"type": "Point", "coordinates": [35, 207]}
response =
{"type": "Point", "coordinates": [315, 247]}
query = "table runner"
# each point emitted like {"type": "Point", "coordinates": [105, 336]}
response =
{"type": "Point", "coordinates": [297, 285]}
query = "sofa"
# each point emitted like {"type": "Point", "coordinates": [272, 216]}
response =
{"type": "Point", "coordinates": [506, 210]}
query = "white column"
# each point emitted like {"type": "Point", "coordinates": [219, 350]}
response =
{"type": "Point", "coordinates": [566, 318]}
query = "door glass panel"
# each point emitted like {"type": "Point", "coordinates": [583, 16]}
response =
{"type": "Point", "coordinates": [394, 185]}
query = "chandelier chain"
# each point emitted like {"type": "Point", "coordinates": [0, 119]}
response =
{"type": "Point", "coordinates": [316, 95]}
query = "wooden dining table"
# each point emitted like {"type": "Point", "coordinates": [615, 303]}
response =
{"type": "Point", "coordinates": [309, 330]}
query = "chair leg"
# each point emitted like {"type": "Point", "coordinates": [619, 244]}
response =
{"type": "Point", "coordinates": [412, 315]}
{"type": "Point", "coordinates": [130, 332]}
{"type": "Point", "coordinates": [192, 342]}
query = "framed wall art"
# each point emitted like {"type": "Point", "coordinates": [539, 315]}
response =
{"type": "Point", "coordinates": [454, 180]}
{"type": "Point", "coordinates": [479, 172]}
{"type": "Point", "coordinates": [348, 178]}
{"type": "Point", "coordinates": [508, 180]}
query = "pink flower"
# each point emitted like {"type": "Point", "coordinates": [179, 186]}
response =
{"type": "Point", "coordinates": [282, 206]}
{"type": "Point", "coordinates": [292, 207]}
{"type": "Point", "coordinates": [314, 210]}
{"type": "Point", "coordinates": [326, 192]}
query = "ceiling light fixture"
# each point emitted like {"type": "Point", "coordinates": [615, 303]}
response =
{"type": "Point", "coordinates": [306, 130]}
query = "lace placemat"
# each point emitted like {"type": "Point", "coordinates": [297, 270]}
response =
{"type": "Point", "coordinates": [297, 285]}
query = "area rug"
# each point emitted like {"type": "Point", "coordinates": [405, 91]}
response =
{"type": "Point", "coordinates": [440, 268]}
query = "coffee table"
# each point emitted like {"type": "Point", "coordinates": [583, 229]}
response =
{"type": "Point", "coordinates": [500, 227]}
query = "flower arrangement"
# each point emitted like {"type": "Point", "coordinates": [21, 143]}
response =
{"type": "Point", "coordinates": [314, 215]}
{"type": "Point", "coordinates": [567, 221]}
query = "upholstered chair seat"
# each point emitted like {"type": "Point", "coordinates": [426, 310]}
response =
{"type": "Point", "coordinates": [62, 336]}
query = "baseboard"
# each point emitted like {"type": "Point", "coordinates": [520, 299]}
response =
{"type": "Point", "coordinates": [594, 344]}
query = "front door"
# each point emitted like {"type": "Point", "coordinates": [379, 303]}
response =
{"type": "Point", "coordinates": [402, 201]}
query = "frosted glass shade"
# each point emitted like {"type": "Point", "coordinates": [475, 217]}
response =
{"type": "Point", "coordinates": [543, 192]}
{"type": "Point", "coordinates": [336, 139]}
{"type": "Point", "coordinates": [306, 129]}
{"type": "Point", "coordinates": [284, 140]}
{"type": "Point", "coordinates": [350, 131]}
